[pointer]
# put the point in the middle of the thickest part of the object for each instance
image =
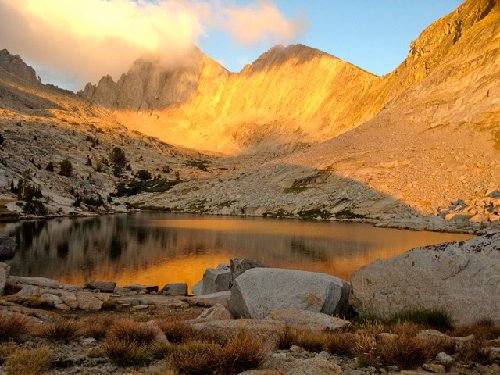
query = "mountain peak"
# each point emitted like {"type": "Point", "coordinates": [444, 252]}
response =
{"type": "Point", "coordinates": [15, 66]}
{"type": "Point", "coordinates": [279, 54]}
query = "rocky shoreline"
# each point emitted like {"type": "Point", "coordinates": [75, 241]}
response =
{"type": "Point", "coordinates": [459, 280]}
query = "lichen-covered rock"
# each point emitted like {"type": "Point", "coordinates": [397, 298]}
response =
{"type": "Point", "coordinates": [88, 301]}
{"type": "Point", "coordinates": [259, 291]}
{"type": "Point", "coordinates": [462, 278]}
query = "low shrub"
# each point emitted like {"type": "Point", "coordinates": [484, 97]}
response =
{"type": "Point", "coordinates": [178, 332]}
{"type": "Point", "coordinates": [473, 351]}
{"type": "Point", "coordinates": [484, 329]}
{"type": "Point", "coordinates": [127, 343]}
{"type": "Point", "coordinates": [240, 353]}
{"type": "Point", "coordinates": [12, 327]}
{"type": "Point", "coordinates": [437, 319]}
{"type": "Point", "coordinates": [309, 340]}
{"type": "Point", "coordinates": [130, 331]}
{"type": "Point", "coordinates": [95, 328]}
{"type": "Point", "coordinates": [62, 330]}
{"type": "Point", "coordinates": [196, 358]}
{"type": "Point", "coordinates": [341, 344]}
{"type": "Point", "coordinates": [126, 353]}
{"type": "Point", "coordinates": [28, 361]}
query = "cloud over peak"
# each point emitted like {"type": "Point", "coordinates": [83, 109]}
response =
{"type": "Point", "coordinates": [88, 38]}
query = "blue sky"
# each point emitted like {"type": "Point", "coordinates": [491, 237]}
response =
{"type": "Point", "coordinates": [372, 34]}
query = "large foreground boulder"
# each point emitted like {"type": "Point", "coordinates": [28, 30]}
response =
{"type": "Point", "coordinates": [259, 291]}
{"type": "Point", "coordinates": [462, 278]}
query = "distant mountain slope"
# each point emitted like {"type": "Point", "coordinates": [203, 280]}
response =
{"type": "Point", "coordinates": [438, 141]}
{"type": "Point", "coordinates": [289, 95]}
{"type": "Point", "coordinates": [430, 158]}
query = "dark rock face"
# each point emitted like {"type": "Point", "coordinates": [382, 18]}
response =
{"type": "Point", "coordinates": [7, 247]}
{"type": "Point", "coordinates": [148, 85]}
{"type": "Point", "coordinates": [15, 66]}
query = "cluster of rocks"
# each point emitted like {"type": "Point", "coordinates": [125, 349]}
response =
{"type": "Point", "coordinates": [479, 210]}
{"type": "Point", "coordinates": [93, 296]}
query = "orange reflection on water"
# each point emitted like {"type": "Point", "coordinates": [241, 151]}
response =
{"type": "Point", "coordinates": [156, 249]}
{"type": "Point", "coordinates": [187, 270]}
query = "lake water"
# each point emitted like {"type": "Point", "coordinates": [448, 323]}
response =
{"type": "Point", "coordinates": [156, 248]}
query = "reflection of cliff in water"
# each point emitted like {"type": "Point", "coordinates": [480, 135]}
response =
{"type": "Point", "coordinates": [147, 246]}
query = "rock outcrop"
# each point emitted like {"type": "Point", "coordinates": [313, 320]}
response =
{"type": "Point", "coordinates": [259, 291]}
{"type": "Point", "coordinates": [152, 84]}
{"type": "Point", "coordinates": [462, 278]}
{"type": "Point", "coordinates": [16, 67]}
{"type": "Point", "coordinates": [7, 247]}
{"type": "Point", "coordinates": [4, 274]}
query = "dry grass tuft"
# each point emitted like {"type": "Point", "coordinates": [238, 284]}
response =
{"type": "Point", "coordinates": [130, 331]}
{"type": "Point", "coordinates": [12, 327]}
{"type": "Point", "coordinates": [408, 351]}
{"type": "Point", "coordinates": [126, 353]}
{"type": "Point", "coordinates": [28, 361]}
{"type": "Point", "coordinates": [309, 340]}
{"type": "Point", "coordinates": [473, 351]}
{"type": "Point", "coordinates": [406, 328]}
{"type": "Point", "coordinates": [242, 352]}
{"type": "Point", "coordinates": [128, 343]}
{"type": "Point", "coordinates": [484, 329]}
{"type": "Point", "coordinates": [95, 328]}
{"type": "Point", "coordinates": [62, 330]}
{"type": "Point", "coordinates": [196, 358]}
{"type": "Point", "coordinates": [177, 332]}
{"type": "Point", "coordinates": [342, 344]}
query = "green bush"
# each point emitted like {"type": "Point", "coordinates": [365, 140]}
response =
{"type": "Point", "coordinates": [437, 319]}
{"type": "Point", "coordinates": [118, 160]}
{"type": "Point", "coordinates": [50, 167]}
{"type": "Point", "coordinates": [143, 175]}
{"type": "Point", "coordinates": [66, 168]}
{"type": "Point", "coordinates": [35, 208]}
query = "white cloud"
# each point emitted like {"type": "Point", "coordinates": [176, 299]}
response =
{"type": "Point", "coordinates": [90, 38]}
